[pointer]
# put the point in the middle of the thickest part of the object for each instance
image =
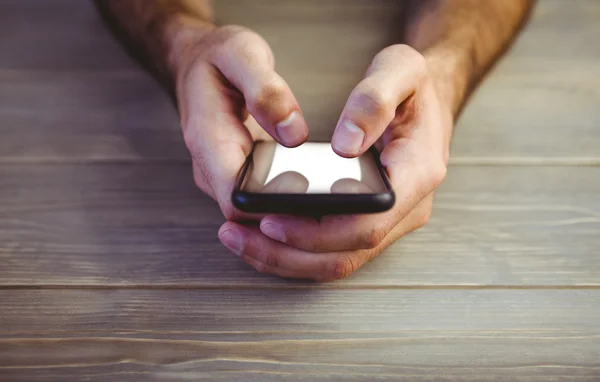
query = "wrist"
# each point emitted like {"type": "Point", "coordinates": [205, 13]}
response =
{"type": "Point", "coordinates": [181, 34]}
{"type": "Point", "coordinates": [449, 77]}
{"type": "Point", "coordinates": [450, 74]}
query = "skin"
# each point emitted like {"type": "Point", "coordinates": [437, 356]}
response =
{"type": "Point", "coordinates": [229, 96]}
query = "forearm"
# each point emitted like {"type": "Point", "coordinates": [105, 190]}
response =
{"type": "Point", "coordinates": [158, 31]}
{"type": "Point", "coordinates": [461, 39]}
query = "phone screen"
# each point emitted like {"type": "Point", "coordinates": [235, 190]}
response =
{"type": "Point", "coordinates": [313, 168]}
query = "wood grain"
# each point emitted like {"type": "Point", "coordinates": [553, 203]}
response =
{"type": "Point", "coordinates": [57, 36]}
{"type": "Point", "coordinates": [81, 115]}
{"type": "Point", "coordinates": [144, 224]}
{"type": "Point", "coordinates": [457, 356]}
{"type": "Point", "coordinates": [110, 265]}
{"type": "Point", "coordinates": [362, 335]}
{"type": "Point", "coordinates": [52, 85]}
{"type": "Point", "coordinates": [68, 90]}
{"type": "Point", "coordinates": [543, 93]}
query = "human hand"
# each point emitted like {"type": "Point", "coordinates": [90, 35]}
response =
{"type": "Point", "coordinates": [230, 96]}
{"type": "Point", "coordinates": [397, 108]}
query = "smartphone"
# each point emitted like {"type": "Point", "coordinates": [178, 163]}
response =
{"type": "Point", "coordinates": [311, 180]}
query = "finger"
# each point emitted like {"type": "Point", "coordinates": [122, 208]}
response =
{"type": "Point", "coordinates": [393, 78]}
{"type": "Point", "coordinates": [246, 61]}
{"type": "Point", "coordinates": [217, 140]}
{"type": "Point", "coordinates": [413, 176]}
{"type": "Point", "coordinates": [289, 182]}
{"type": "Point", "coordinates": [331, 233]}
{"type": "Point", "coordinates": [414, 173]}
{"type": "Point", "coordinates": [343, 233]}
{"type": "Point", "coordinates": [269, 256]}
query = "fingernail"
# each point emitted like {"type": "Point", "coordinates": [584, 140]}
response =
{"type": "Point", "coordinates": [348, 138]}
{"type": "Point", "coordinates": [291, 130]}
{"type": "Point", "coordinates": [273, 231]}
{"type": "Point", "coordinates": [232, 240]}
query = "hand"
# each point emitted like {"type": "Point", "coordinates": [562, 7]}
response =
{"type": "Point", "coordinates": [396, 107]}
{"type": "Point", "coordinates": [222, 78]}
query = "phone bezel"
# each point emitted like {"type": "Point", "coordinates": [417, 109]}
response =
{"type": "Point", "coordinates": [312, 204]}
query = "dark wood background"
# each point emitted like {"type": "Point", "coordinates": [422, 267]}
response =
{"type": "Point", "coordinates": [110, 268]}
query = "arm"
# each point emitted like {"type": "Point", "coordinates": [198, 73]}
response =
{"type": "Point", "coordinates": [461, 39]}
{"type": "Point", "coordinates": [158, 32]}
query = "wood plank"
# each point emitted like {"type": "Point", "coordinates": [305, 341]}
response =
{"type": "Point", "coordinates": [361, 335]}
{"type": "Point", "coordinates": [58, 101]}
{"type": "Point", "coordinates": [541, 99]}
{"type": "Point", "coordinates": [57, 36]}
{"type": "Point", "coordinates": [68, 90]}
{"type": "Point", "coordinates": [252, 375]}
{"type": "Point", "coordinates": [142, 225]}
{"type": "Point", "coordinates": [82, 115]}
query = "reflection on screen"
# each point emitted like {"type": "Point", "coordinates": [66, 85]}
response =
{"type": "Point", "coordinates": [311, 168]}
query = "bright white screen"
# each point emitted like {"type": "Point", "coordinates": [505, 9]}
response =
{"type": "Point", "coordinates": [310, 168]}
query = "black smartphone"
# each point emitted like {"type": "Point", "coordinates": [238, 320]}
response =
{"type": "Point", "coordinates": [311, 180]}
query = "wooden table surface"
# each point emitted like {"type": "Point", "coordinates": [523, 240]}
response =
{"type": "Point", "coordinates": [111, 270]}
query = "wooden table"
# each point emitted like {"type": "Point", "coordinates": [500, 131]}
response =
{"type": "Point", "coordinates": [110, 268]}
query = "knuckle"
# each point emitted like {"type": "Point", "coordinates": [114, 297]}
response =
{"type": "Point", "coordinates": [263, 264]}
{"type": "Point", "coordinates": [233, 37]}
{"type": "Point", "coordinates": [271, 260]}
{"type": "Point", "coordinates": [265, 96]}
{"type": "Point", "coordinates": [406, 54]}
{"type": "Point", "coordinates": [343, 266]}
{"type": "Point", "coordinates": [423, 219]}
{"type": "Point", "coordinates": [415, 56]}
{"type": "Point", "coordinates": [395, 50]}
{"type": "Point", "coordinates": [372, 102]}
{"type": "Point", "coordinates": [373, 237]}
{"type": "Point", "coordinates": [437, 175]}
{"type": "Point", "coordinates": [419, 64]}
{"type": "Point", "coordinates": [240, 42]}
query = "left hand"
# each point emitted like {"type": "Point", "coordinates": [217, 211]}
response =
{"type": "Point", "coordinates": [397, 109]}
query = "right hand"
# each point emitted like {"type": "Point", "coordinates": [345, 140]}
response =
{"type": "Point", "coordinates": [229, 96]}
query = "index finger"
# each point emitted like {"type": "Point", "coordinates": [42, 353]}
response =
{"type": "Point", "coordinates": [246, 61]}
{"type": "Point", "coordinates": [217, 140]}
{"type": "Point", "coordinates": [342, 233]}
